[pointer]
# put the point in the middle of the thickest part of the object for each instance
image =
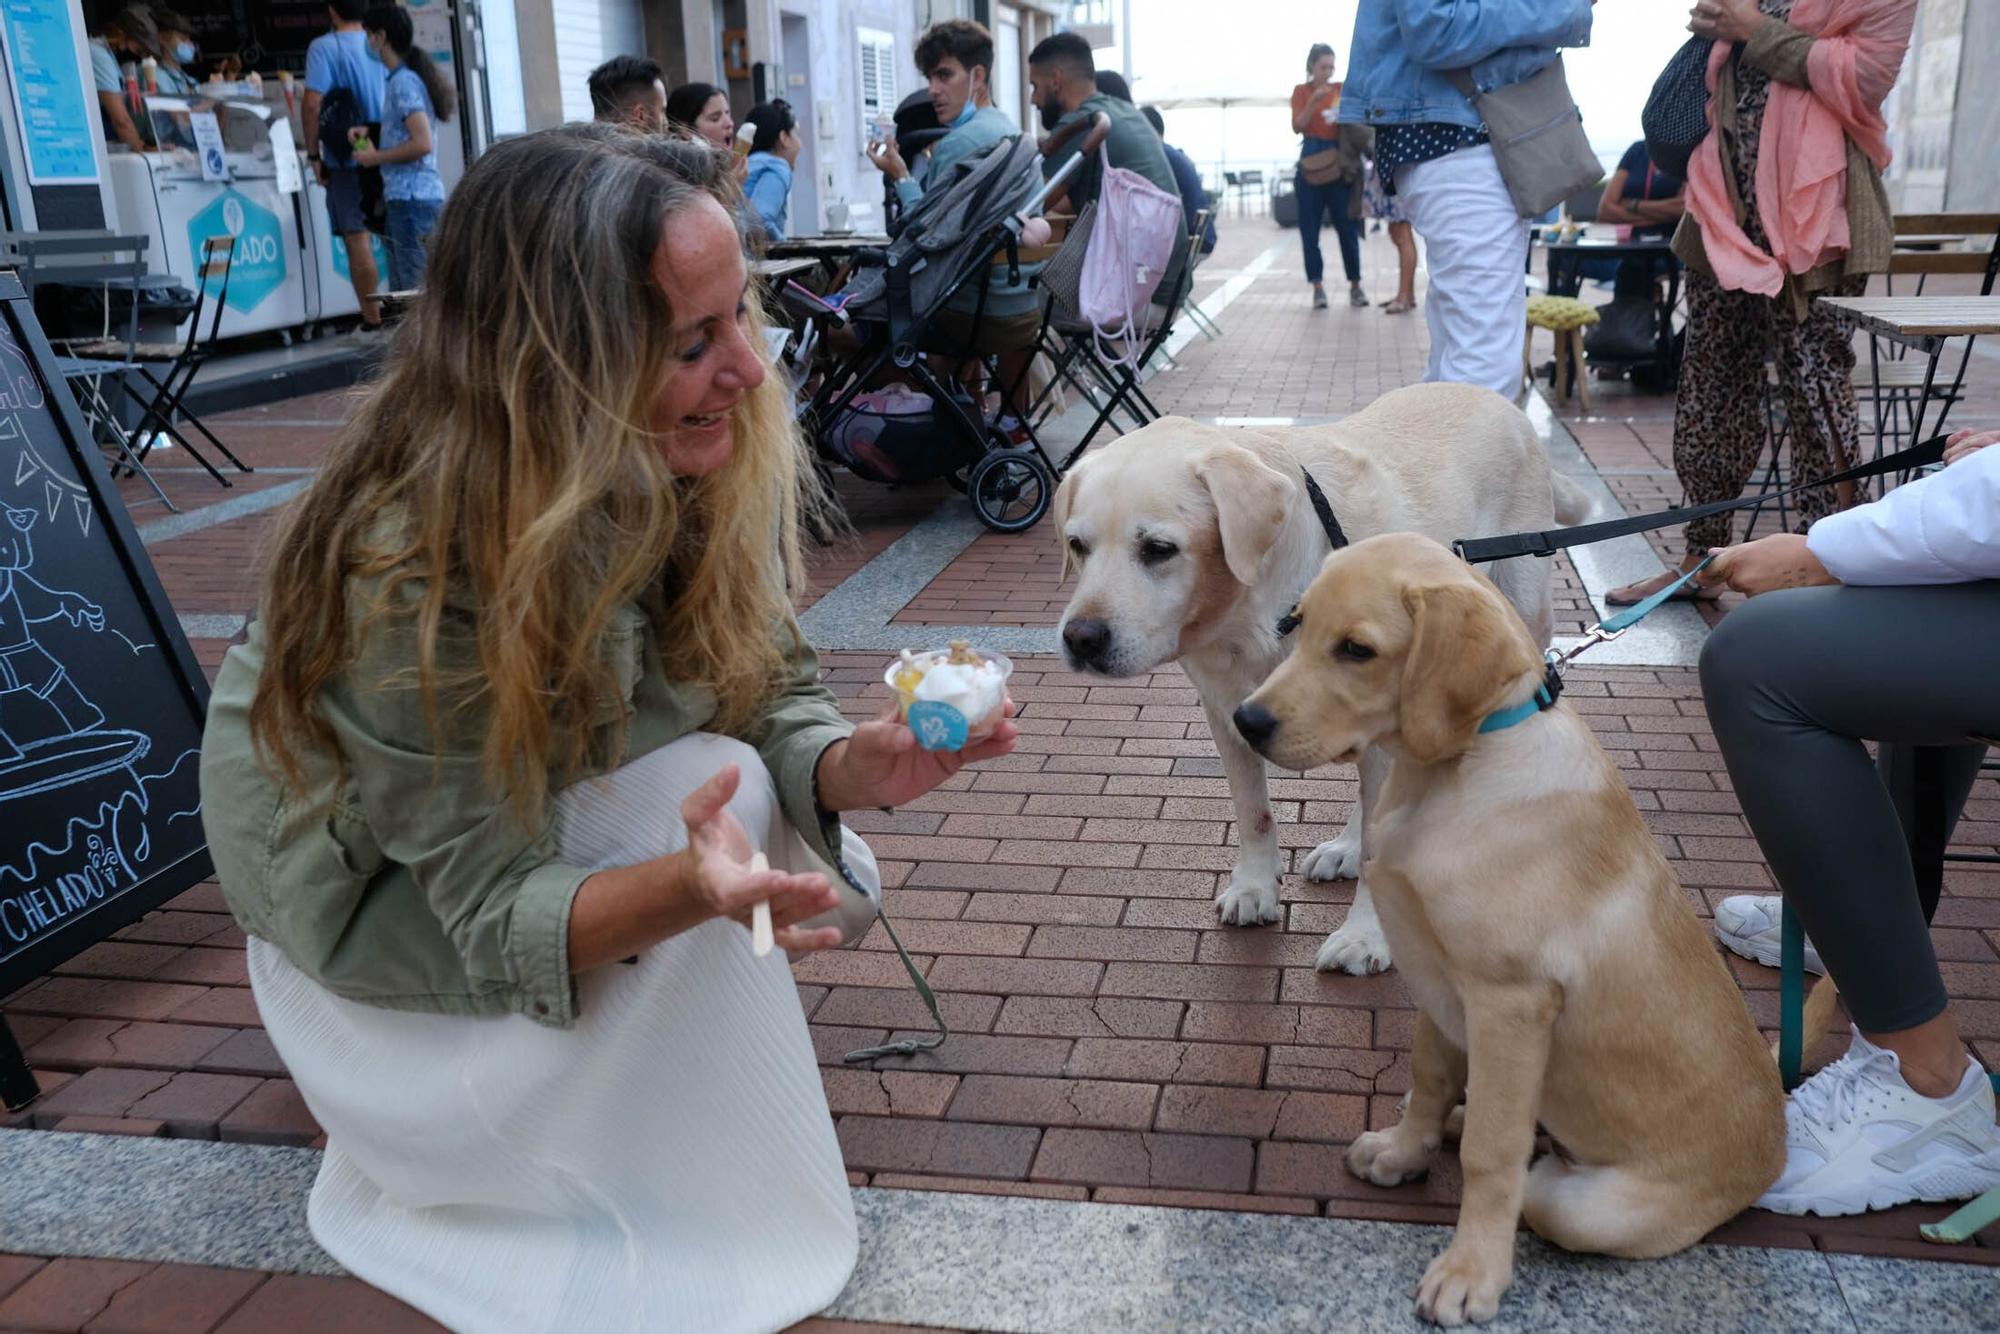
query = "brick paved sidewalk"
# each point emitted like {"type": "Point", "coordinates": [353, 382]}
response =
{"type": "Point", "coordinates": [1111, 1042]}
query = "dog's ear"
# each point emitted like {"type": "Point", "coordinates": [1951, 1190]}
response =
{"type": "Point", "coordinates": [1463, 660]}
{"type": "Point", "coordinates": [1251, 501]}
{"type": "Point", "coordinates": [1059, 511]}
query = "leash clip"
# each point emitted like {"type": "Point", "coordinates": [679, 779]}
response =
{"type": "Point", "coordinates": [1592, 637]}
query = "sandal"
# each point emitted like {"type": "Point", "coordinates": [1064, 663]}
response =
{"type": "Point", "coordinates": [1633, 594]}
{"type": "Point", "coordinates": [1398, 307]}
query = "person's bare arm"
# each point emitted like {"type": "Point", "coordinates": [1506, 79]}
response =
{"type": "Point", "coordinates": [120, 121]}
{"type": "Point", "coordinates": [412, 149]}
{"type": "Point", "coordinates": [1611, 207]}
{"type": "Point", "coordinates": [309, 122]}
{"type": "Point", "coordinates": [1303, 118]}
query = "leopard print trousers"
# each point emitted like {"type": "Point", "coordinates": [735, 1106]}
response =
{"type": "Point", "coordinates": [1719, 417]}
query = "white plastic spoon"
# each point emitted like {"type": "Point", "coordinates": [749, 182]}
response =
{"type": "Point", "coordinates": [762, 941]}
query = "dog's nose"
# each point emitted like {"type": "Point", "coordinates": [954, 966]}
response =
{"type": "Point", "coordinates": [1256, 724]}
{"type": "Point", "coordinates": [1087, 639]}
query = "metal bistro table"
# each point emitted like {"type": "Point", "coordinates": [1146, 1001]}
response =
{"type": "Point", "coordinates": [1566, 260]}
{"type": "Point", "coordinates": [829, 252]}
{"type": "Point", "coordinates": [1924, 324]}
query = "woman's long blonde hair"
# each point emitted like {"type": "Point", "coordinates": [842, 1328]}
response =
{"type": "Point", "coordinates": [511, 449]}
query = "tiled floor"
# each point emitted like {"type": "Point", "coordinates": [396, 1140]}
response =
{"type": "Point", "coordinates": [1111, 1041]}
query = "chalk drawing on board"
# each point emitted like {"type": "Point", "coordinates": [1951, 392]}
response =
{"type": "Point", "coordinates": [53, 736]}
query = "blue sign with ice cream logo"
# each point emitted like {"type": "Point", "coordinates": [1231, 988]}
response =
{"type": "Point", "coordinates": [258, 266]}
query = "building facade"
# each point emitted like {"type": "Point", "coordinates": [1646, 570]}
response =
{"type": "Point", "coordinates": [841, 64]}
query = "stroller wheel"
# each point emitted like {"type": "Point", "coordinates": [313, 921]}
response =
{"type": "Point", "coordinates": [1010, 490]}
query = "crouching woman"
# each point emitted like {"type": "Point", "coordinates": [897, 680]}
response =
{"type": "Point", "coordinates": [523, 698]}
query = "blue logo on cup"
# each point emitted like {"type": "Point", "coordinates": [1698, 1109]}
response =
{"type": "Point", "coordinates": [938, 726]}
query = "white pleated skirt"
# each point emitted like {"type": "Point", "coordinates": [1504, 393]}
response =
{"type": "Point", "coordinates": [667, 1163]}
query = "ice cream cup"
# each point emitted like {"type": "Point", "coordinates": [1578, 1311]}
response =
{"type": "Point", "coordinates": [960, 717]}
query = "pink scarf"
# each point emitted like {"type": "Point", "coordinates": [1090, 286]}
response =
{"type": "Point", "coordinates": [1802, 154]}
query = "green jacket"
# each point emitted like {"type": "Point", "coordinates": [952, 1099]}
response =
{"type": "Point", "coordinates": [413, 886]}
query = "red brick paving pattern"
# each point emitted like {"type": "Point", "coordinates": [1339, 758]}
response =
{"type": "Point", "coordinates": [1111, 1041]}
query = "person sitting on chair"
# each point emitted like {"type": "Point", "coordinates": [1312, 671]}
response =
{"type": "Point", "coordinates": [1878, 625]}
{"type": "Point", "coordinates": [629, 90]}
{"type": "Point", "coordinates": [956, 57]}
{"type": "Point", "coordinates": [1062, 80]}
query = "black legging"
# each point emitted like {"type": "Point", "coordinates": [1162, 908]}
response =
{"type": "Point", "coordinates": [1795, 681]}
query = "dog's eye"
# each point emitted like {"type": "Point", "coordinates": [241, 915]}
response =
{"type": "Point", "coordinates": [1078, 548]}
{"type": "Point", "coordinates": [1354, 650]}
{"type": "Point", "coordinates": [1155, 552]}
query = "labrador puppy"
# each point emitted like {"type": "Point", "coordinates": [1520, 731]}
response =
{"type": "Point", "coordinates": [1560, 973]}
{"type": "Point", "coordinates": [1189, 542]}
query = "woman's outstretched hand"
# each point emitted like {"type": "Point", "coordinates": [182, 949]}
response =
{"type": "Point", "coordinates": [882, 765]}
{"type": "Point", "coordinates": [719, 877]}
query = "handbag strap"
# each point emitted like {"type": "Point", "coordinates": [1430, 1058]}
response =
{"type": "Point", "coordinates": [1461, 79]}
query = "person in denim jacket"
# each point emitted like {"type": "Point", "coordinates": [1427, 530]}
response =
{"type": "Point", "coordinates": [1432, 151]}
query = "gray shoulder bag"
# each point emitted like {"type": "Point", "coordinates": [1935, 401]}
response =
{"type": "Point", "coordinates": [1538, 137]}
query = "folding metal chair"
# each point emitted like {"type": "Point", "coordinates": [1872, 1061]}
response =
{"type": "Point", "coordinates": [96, 369]}
{"type": "Point", "coordinates": [1196, 315]}
{"type": "Point", "coordinates": [183, 363]}
{"type": "Point", "coordinates": [1071, 342]}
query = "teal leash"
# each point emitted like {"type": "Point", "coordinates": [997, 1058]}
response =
{"type": "Point", "coordinates": [908, 1046]}
{"type": "Point", "coordinates": [1611, 627]}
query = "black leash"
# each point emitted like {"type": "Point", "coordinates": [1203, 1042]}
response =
{"type": "Point", "coordinates": [1477, 550]}
{"type": "Point", "coordinates": [1334, 536]}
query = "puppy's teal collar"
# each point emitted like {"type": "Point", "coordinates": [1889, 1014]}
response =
{"type": "Point", "coordinates": [1544, 698]}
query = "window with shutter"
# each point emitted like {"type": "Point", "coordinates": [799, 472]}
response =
{"type": "Point", "coordinates": [877, 62]}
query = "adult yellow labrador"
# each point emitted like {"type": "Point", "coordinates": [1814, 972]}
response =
{"type": "Point", "coordinates": [1189, 542]}
{"type": "Point", "coordinates": [1560, 974]}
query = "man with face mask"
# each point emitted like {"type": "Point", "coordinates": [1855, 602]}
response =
{"type": "Point", "coordinates": [1062, 79]}
{"type": "Point", "coordinates": [177, 52]}
{"type": "Point", "coordinates": [956, 57]}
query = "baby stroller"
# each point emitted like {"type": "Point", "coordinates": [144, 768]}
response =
{"type": "Point", "coordinates": [944, 246]}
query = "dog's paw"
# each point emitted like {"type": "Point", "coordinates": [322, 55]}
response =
{"type": "Point", "coordinates": [1335, 859]}
{"type": "Point", "coordinates": [1389, 1157]}
{"type": "Point", "coordinates": [1248, 902]}
{"type": "Point", "coordinates": [1462, 1287]}
{"type": "Point", "coordinates": [1359, 948]}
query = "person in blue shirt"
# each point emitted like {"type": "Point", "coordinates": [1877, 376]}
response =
{"type": "Point", "coordinates": [767, 186]}
{"type": "Point", "coordinates": [177, 53]}
{"type": "Point", "coordinates": [129, 35]}
{"type": "Point", "coordinates": [955, 60]}
{"type": "Point", "coordinates": [339, 61]}
{"type": "Point", "coordinates": [416, 95]}
{"type": "Point", "coordinates": [1194, 195]}
{"type": "Point", "coordinates": [1435, 157]}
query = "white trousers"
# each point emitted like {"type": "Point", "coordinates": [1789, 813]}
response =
{"type": "Point", "coordinates": [666, 1163]}
{"type": "Point", "coordinates": [1476, 251]}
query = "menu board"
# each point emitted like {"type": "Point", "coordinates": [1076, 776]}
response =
{"type": "Point", "coordinates": [56, 112]}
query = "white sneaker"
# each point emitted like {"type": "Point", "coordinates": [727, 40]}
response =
{"type": "Point", "coordinates": [1750, 925]}
{"type": "Point", "coordinates": [1858, 1138]}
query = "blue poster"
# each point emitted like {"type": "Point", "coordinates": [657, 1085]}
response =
{"type": "Point", "coordinates": [59, 124]}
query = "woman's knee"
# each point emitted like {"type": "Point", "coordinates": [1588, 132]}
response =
{"type": "Point", "coordinates": [1758, 646]}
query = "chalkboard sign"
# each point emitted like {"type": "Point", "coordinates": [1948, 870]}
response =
{"type": "Point", "coordinates": [101, 702]}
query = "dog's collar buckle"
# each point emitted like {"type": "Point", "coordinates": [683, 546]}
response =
{"type": "Point", "coordinates": [1545, 697]}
